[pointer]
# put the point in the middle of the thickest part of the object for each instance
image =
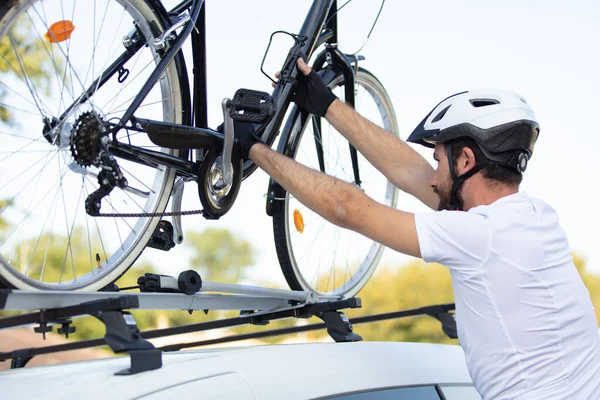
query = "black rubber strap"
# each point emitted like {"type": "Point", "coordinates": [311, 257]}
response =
{"type": "Point", "coordinates": [457, 181]}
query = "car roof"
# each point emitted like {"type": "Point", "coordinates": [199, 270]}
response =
{"type": "Point", "coordinates": [295, 371]}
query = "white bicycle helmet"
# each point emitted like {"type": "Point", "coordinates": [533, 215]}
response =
{"type": "Point", "coordinates": [501, 122]}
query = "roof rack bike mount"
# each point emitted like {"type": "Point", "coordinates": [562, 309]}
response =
{"type": "Point", "coordinates": [257, 306]}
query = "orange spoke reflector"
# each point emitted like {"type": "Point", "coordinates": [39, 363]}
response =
{"type": "Point", "coordinates": [298, 221]}
{"type": "Point", "coordinates": [60, 31]}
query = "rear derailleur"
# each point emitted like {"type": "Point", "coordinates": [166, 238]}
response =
{"type": "Point", "coordinates": [109, 178]}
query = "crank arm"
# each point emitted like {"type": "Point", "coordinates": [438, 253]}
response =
{"type": "Point", "coordinates": [176, 208]}
{"type": "Point", "coordinates": [228, 143]}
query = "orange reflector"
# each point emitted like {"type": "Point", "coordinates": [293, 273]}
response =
{"type": "Point", "coordinates": [60, 31]}
{"type": "Point", "coordinates": [298, 221]}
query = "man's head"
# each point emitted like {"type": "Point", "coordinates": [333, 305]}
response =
{"type": "Point", "coordinates": [466, 155]}
{"type": "Point", "coordinates": [491, 131]}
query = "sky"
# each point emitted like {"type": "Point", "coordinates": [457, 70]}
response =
{"type": "Point", "coordinates": [423, 52]}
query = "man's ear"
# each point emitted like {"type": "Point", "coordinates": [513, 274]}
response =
{"type": "Point", "coordinates": [466, 160]}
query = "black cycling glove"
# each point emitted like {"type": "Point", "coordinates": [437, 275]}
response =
{"type": "Point", "coordinates": [312, 94]}
{"type": "Point", "coordinates": [244, 135]}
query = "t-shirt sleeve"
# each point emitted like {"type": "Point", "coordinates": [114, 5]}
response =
{"type": "Point", "coordinates": [459, 240]}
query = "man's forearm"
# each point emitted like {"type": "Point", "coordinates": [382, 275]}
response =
{"type": "Point", "coordinates": [400, 163]}
{"type": "Point", "coordinates": [326, 195]}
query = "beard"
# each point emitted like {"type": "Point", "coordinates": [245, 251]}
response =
{"type": "Point", "coordinates": [445, 194]}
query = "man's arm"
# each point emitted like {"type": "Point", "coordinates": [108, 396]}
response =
{"type": "Point", "coordinates": [339, 202]}
{"type": "Point", "coordinates": [399, 162]}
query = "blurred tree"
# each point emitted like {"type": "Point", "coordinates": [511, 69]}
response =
{"type": "Point", "coordinates": [3, 223]}
{"type": "Point", "coordinates": [591, 281]}
{"type": "Point", "coordinates": [220, 256]}
{"type": "Point", "coordinates": [419, 284]}
{"type": "Point", "coordinates": [217, 255]}
{"type": "Point", "coordinates": [391, 289]}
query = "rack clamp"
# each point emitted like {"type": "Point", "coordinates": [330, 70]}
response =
{"type": "Point", "coordinates": [447, 319]}
{"type": "Point", "coordinates": [20, 358]}
{"type": "Point", "coordinates": [338, 326]}
{"type": "Point", "coordinates": [123, 336]}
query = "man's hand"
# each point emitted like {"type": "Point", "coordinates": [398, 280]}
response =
{"type": "Point", "coordinates": [244, 134]}
{"type": "Point", "coordinates": [312, 94]}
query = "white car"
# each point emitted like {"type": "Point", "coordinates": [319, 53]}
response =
{"type": "Point", "coordinates": [359, 370]}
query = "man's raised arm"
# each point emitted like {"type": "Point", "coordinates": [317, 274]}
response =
{"type": "Point", "coordinates": [399, 162]}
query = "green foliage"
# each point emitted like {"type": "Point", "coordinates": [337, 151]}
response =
{"type": "Point", "coordinates": [591, 281]}
{"type": "Point", "coordinates": [391, 289]}
{"type": "Point", "coordinates": [3, 223]}
{"type": "Point", "coordinates": [219, 256]}
{"type": "Point", "coordinates": [420, 284]}
{"type": "Point", "coordinates": [24, 55]}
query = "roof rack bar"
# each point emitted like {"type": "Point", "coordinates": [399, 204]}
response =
{"type": "Point", "coordinates": [427, 310]}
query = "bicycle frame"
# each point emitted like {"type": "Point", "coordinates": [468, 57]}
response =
{"type": "Point", "coordinates": [319, 27]}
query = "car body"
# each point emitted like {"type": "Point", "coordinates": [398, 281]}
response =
{"type": "Point", "coordinates": [359, 370]}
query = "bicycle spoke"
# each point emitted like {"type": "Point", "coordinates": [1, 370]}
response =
{"type": "Point", "coordinates": [50, 53]}
{"type": "Point", "coordinates": [97, 228]}
{"type": "Point", "coordinates": [135, 178]}
{"type": "Point", "coordinates": [37, 100]}
{"type": "Point", "coordinates": [114, 98]}
{"type": "Point", "coordinates": [14, 91]}
{"type": "Point", "coordinates": [49, 237]}
{"type": "Point", "coordinates": [109, 58]}
{"type": "Point", "coordinates": [20, 223]}
{"type": "Point", "coordinates": [68, 64]}
{"type": "Point", "coordinates": [142, 106]}
{"type": "Point", "coordinates": [39, 239]}
{"type": "Point", "coordinates": [95, 38]}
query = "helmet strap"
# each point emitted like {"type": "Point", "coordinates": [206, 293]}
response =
{"type": "Point", "coordinates": [457, 181]}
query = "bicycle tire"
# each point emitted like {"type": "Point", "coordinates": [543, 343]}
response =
{"type": "Point", "coordinates": [90, 252]}
{"type": "Point", "coordinates": [297, 265]}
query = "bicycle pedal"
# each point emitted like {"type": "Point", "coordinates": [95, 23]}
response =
{"type": "Point", "coordinates": [162, 238]}
{"type": "Point", "coordinates": [251, 106]}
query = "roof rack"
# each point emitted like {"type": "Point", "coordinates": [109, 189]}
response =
{"type": "Point", "coordinates": [257, 306]}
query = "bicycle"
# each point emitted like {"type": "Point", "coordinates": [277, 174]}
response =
{"type": "Point", "coordinates": [126, 134]}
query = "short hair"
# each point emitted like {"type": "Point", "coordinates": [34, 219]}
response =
{"type": "Point", "coordinates": [492, 170]}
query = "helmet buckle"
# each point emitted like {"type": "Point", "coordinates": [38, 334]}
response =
{"type": "Point", "coordinates": [522, 162]}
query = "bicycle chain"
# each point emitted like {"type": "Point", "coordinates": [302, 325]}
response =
{"type": "Point", "coordinates": [155, 214]}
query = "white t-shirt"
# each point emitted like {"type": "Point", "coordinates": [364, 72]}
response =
{"type": "Point", "coordinates": [525, 320]}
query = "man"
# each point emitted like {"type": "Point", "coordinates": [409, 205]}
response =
{"type": "Point", "coordinates": [525, 319]}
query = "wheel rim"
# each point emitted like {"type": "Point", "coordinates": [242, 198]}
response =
{"type": "Point", "coordinates": [327, 259]}
{"type": "Point", "coordinates": [47, 241]}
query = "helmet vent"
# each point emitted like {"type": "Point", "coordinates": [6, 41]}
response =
{"type": "Point", "coordinates": [441, 114]}
{"type": "Point", "coordinates": [483, 102]}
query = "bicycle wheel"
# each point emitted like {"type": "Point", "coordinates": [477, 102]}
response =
{"type": "Point", "coordinates": [314, 254]}
{"type": "Point", "coordinates": [50, 52]}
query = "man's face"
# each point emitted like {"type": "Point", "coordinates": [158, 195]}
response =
{"type": "Point", "coordinates": [441, 182]}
